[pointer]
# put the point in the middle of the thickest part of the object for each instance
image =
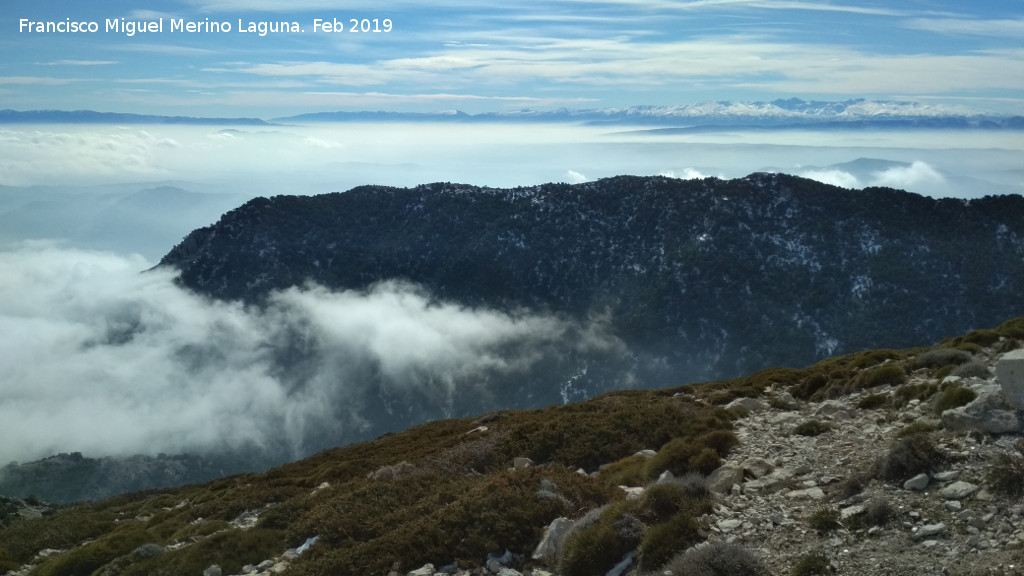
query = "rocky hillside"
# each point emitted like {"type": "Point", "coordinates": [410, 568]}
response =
{"type": "Point", "coordinates": [701, 279]}
{"type": "Point", "coordinates": [876, 463]}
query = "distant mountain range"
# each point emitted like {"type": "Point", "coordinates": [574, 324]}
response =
{"type": "Point", "coordinates": [124, 218]}
{"type": "Point", "coordinates": [778, 113]}
{"type": "Point", "coordinates": [792, 112]}
{"type": "Point", "coordinates": [92, 117]}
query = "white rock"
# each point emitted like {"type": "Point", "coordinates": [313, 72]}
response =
{"type": "Point", "coordinates": [919, 482]}
{"type": "Point", "coordinates": [425, 570]}
{"type": "Point", "coordinates": [1010, 372]}
{"type": "Point", "coordinates": [958, 490]}
{"type": "Point", "coordinates": [929, 530]}
{"type": "Point", "coordinates": [521, 462]}
{"type": "Point", "coordinates": [729, 524]}
{"type": "Point", "coordinates": [748, 404]}
{"type": "Point", "coordinates": [814, 493]}
{"type": "Point", "coordinates": [547, 551]}
{"type": "Point", "coordinates": [722, 480]}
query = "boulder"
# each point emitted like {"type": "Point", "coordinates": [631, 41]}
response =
{"type": "Point", "coordinates": [1010, 372]}
{"type": "Point", "coordinates": [929, 531]}
{"type": "Point", "coordinates": [722, 480]}
{"type": "Point", "coordinates": [919, 482]}
{"type": "Point", "coordinates": [757, 467]}
{"type": "Point", "coordinates": [213, 570]}
{"type": "Point", "coordinates": [425, 570]}
{"type": "Point", "coordinates": [989, 413]}
{"type": "Point", "coordinates": [521, 462]}
{"type": "Point", "coordinates": [958, 490]}
{"type": "Point", "coordinates": [547, 551]}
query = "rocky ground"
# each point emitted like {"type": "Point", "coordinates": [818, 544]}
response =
{"type": "Point", "coordinates": [945, 522]}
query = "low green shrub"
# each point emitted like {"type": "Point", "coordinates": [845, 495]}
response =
{"type": "Point", "coordinates": [916, 428]}
{"type": "Point", "coordinates": [954, 397]}
{"type": "Point", "coordinates": [90, 557]}
{"type": "Point", "coordinates": [665, 540]}
{"type": "Point", "coordinates": [884, 375]}
{"type": "Point", "coordinates": [824, 520]}
{"type": "Point", "coordinates": [909, 456]}
{"type": "Point", "coordinates": [705, 462]}
{"type": "Point", "coordinates": [813, 564]}
{"type": "Point", "coordinates": [592, 550]}
{"type": "Point", "coordinates": [1006, 474]}
{"type": "Point", "coordinates": [940, 357]}
{"type": "Point", "coordinates": [230, 550]}
{"type": "Point", "coordinates": [873, 401]}
{"type": "Point", "coordinates": [908, 392]}
{"type": "Point", "coordinates": [715, 559]}
{"type": "Point", "coordinates": [983, 338]}
{"type": "Point", "coordinates": [630, 471]}
{"type": "Point", "coordinates": [811, 428]}
{"type": "Point", "coordinates": [973, 369]}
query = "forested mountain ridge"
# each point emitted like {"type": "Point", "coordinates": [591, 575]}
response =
{"type": "Point", "coordinates": [712, 278]}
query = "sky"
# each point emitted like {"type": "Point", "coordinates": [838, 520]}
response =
{"type": "Point", "coordinates": [486, 56]}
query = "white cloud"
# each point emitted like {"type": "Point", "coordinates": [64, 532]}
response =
{"type": "Point", "coordinates": [834, 177]}
{"type": "Point", "coordinates": [102, 359]}
{"type": "Point", "coordinates": [1009, 28]}
{"type": "Point", "coordinates": [574, 177]}
{"type": "Point", "coordinates": [913, 177]}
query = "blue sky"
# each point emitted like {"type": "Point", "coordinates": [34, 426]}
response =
{"type": "Point", "coordinates": [486, 56]}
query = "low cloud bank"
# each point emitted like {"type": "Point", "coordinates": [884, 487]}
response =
{"type": "Point", "coordinates": [917, 176]}
{"type": "Point", "coordinates": [103, 359]}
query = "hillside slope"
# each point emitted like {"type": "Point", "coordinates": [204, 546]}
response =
{"type": "Point", "coordinates": [842, 437]}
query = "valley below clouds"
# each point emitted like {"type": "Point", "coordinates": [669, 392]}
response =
{"type": "Point", "coordinates": [113, 361]}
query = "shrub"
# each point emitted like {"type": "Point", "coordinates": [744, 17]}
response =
{"type": "Point", "coordinates": [594, 549]}
{"type": "Point", "coordinates": [908, 392]}
{"type": "Point", "coordinates": [973, 369]}
{"type": "Point", "coordinates": [721, 441]}
{"type": "Point", "coordinates": [942, 357]}
{"type": "Point", "coordinates": [954, 397]}
{"type": "Point", "coordinates": [392, 471]}
{"type": "Point", "coordinates": [88, 558]}
{"type": "Point", "coordinates": [984, 338]}
{"type": "Point", "coordinates": [824, 520]}
{"type": "Point", "coordinates": [629, 471]}
{"type": "Point", "coordinates": [716, 559]}
{"type": "Point", "coordinates": [887, 374]}
{"type": "Point", "coordinates": [877, 513]}
{"type": "Point", "coordinates": [812, 428]}
{"type": "Point", "coordinates": [705, 462]}
{"type": "Point", "coordinates": [916, 428]}
{"type": "Point", "coordinates": [667, 539]}
{"type": "Point", "coordinates": [674, 457]}
{"type": "Point", "coordinates": [872, 401]}
{"type": "Point", "coordinates": [812, 564]}
{"type": "Point", "coordinates": [809, 386]}
{"type": "Point", "coordinates": [694, 483]}
{"type": "Point", "coordinates": [1008, 345]}
{"type": "Point", "coordinates": [910, 456]}
{"type": "Point", "coordinates": [1006, 474]}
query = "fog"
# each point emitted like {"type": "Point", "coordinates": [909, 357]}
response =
{"type": "Point", "coordinates": [107, 361]}
{"type": "Point", "coordinates": [334, 157]}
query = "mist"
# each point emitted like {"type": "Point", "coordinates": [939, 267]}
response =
{"type": "Point", "coordinates": [107, 360]}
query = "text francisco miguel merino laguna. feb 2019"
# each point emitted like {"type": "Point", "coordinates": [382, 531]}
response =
{"type": "Point", "coordinates": [178, 25]}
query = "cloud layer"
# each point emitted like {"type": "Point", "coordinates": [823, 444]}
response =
{"type": "Point", "coordinates": [102, 359]}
